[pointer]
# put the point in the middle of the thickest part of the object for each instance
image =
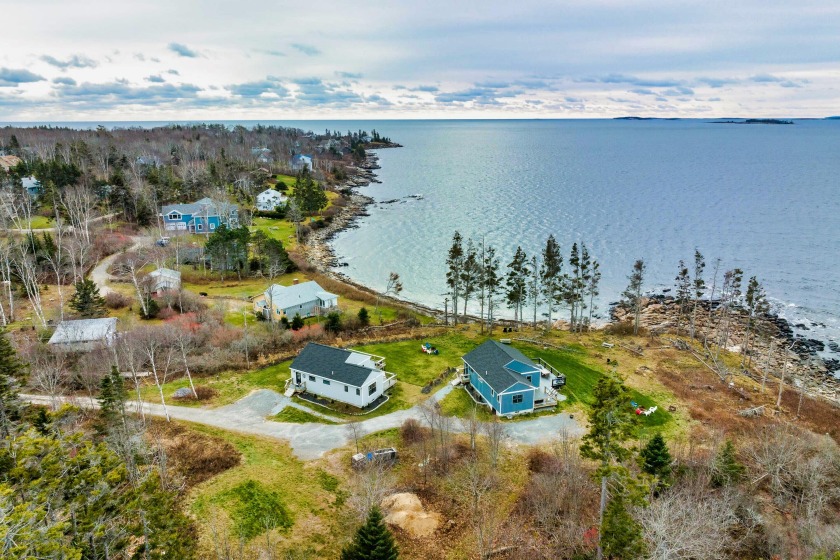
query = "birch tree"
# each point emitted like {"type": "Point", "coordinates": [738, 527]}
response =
{"type": "Point", "coordinates": [155, 344]}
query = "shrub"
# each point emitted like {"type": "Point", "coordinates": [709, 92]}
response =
{"type": "Point", "coordinates": [259, 510]}
{"type": "Point", "coordinates": [205, 393]}
{"type": "Point", "coordinates": [116, 300]}
{"type": "Point", "coordinates": [412, 432]}
{"type": "Point", "coordinates": [540, 461]}
{"type": "Point", "coordinates": [297, 322]}
{"type": "Point", "coordinates": [166, 313]}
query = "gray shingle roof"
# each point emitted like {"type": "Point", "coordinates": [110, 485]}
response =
{"type": "Point", "coordinates": [199, 207]}
{"type": "Point", "coordinates": [84, 330]}
{"type": "Point", "coordinates": [489, 361]}
{"type": "Point", "coordinates": [331, 363]}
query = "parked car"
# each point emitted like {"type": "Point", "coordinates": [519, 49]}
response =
{"type": "Point", "coordinates": [558, 381]}
{"type": "Point", "coordinates": [387, 455]}
{"type": "Point", "coordinates": [162, 242]}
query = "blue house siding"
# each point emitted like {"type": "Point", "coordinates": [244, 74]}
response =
{"type": "Point", "coordinates": [483, 388]}
{"type": "Point", "coordinates": [509, 407]}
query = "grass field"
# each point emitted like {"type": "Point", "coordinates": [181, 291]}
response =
{"type": "Point", "coordinates": [41, 222]}
{"type": "Point", "coordinates": [417, 368]}
{"type": "Point", "coordinates": [298, 416]}
{"type": "Point", "coordinates": [459, 404]}
{"type": "Point", "coordinates": [268, 475]}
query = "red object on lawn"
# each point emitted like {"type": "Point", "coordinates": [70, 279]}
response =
{"type": "Point", "coordinates": [638, 411]}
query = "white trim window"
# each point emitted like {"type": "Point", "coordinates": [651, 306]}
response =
{"type": "Point", "coordinates": [517, 399]}
{"type": "Point", "coordinates": [174, 215]}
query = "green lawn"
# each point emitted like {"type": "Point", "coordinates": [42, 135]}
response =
{"type": "Point", "coordinates": [417, 368]}
{"type": "Point", "coordinates": [41, 222]}
{"type": "Point", "coordinates": [458, 403]}
{"type": "Point", "coordinates": [581, 380]}
{"type": "Point", "coordinates": [269, 475]}
{"type": "Point", "coordinates": [402, 396]}
{"type": "Point", "coordinates": [298, 416]}
{"type": "Point", "coordinates": [229, 386]}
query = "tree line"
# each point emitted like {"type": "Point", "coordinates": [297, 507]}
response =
{"type": "Point", "coordinates": [474, 271]}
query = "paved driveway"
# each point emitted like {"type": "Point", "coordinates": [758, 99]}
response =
{"type": "Point", "coordinates": [311, 441]}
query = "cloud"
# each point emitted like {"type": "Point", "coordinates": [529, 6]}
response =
{"type": "Point", "coordinates": [182, 50]}
{"type": "Point", "coordinates": [173, 72]}
{"type": "Point", "coordinates": [65, 81]}
{"type": "Point", "coordinates": [270, 52]}
{"type": "Point", "coordinates": [11, 77]}
{"type": "Point", "coordinates": [75, 61]}
{"type": "Point", "coordinates": [573, 99]}
{"type": "Point", "coordinates": [257, 88]}
{"type": "Point", "coordinates": [349, 75]}
{"type": "Point", "coordinates": [677, 91]}
{"type": "Point", "coordinates": [428, 89]}
{"type": "Point", "coordinates": [632, 80]}
{"type": "Point", "coordinates": [477, 95]}
{"type": "Point", "coordinates": [121, 92]}
{"type": "Point", "coordinates": [643, 91]}
{"type": "Point", "coordinates": [155, 79]}
{"type": "Point", "coordinates": [717, 82]}
{"type": "Point", "coordinates": [308, 50]}
{"type": "Point", "coordinates": [765, 79]}
{"type": "Point", "coordinates": [378, 99]}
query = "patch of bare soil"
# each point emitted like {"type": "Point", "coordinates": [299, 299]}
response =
{"type": "Point", "coordinates": [406, 511]}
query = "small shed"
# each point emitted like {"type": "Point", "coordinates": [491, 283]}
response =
{"type": "Point", "coordinates": [85, 334]}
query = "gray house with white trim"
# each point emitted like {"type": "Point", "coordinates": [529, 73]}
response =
{"type": "Point", "coordinates": [348, 376]}
{"type": "Point", "coordinates": [307, 300]}
{"type": "Point", "coordinates": [85, 334]}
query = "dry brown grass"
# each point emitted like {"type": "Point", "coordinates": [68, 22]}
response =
{"type": "Point", "coordinates": [195, 456]}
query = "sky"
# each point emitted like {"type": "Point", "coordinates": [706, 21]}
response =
{"type": "Point", "coordinates": [91, 60]}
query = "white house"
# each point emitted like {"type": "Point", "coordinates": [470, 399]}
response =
{"type": "Point", "coordinates": [307, 300]}
{"type": "Point", "coordinates": [300, 161]}
{"type": "Point", "coordinates": [270, 199]}
{"type": "Point", "coordinates": [164, 279]}
{"type": "Point", "coordinates": [85, 334]}
{"type": "Point", "coordinates": [347, 376]}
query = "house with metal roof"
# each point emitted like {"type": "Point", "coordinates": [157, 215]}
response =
{"type": "Point", "coordinates": [307, 300]}
{"type": "Point", "coordinates": [164, 279]}
{"type": "Point", "coordinates": [202, 216]}
{"type": "Point", "coordinates": [348, 376]}
{"type": "Point", "coordinates": [506, 380]}
{"type": "Point", "coordinates": [85, 334]}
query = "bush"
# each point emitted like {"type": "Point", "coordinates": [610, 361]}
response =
{"type": "Point", "coordinates": [624, 328]}
{"type": "Point", "coordinates": [259, 510]}
{"type": "Point", "coordinates": [166, 313]}
{"type": "Point", "coordinates": [115, 300]}
{"type": "Point", "coordinates": [205, 393]}
{"type": "Point", "coordinates": [152, 307]}
{"type": "Point", "coordinates": [540, 461]}
{"type": "Point", "coordinates": [412, 432]}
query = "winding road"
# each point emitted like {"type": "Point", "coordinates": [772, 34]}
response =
{"type": "Point", "coordinates": [310, 441]}
{"type": "Point", "coordinates": [100, 275]}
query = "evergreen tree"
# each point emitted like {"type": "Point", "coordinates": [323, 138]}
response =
{"type": "Point", "coordinates": [12, 373]}
{"type": "Point", "coordinates": [633, 293]}
{"type": "Point", "coordinates": [333, 324]}
{"type": "Point", "coordinates": [727, 469]}
{"type": "Point", "coordinates": [517, 283]}
{"type": "Point", "coordinates": [373, 541]}
{"type": "Point", "coordinates": [308, 195]}
{"type": "Point", "coordinates": [698, 284]}
{"type": "Point", "coordinates": [454, 273]}
{"type": "Point", "coordinates": [622, 535]}
{"type": "Point", "coordinates": [112, 397]}
{"type": "Point", "coordinates": [364, 317]}
{"type": "Point", "coordinates": [551, 281]}
{"type": "Point", "coordinates": [491, 281]}
{"type": "Point", "coordinates": [756, 303]}
{"type": "Point", "coordinates": [297, 322]}
{"type": "Point", "coordinates": [611, 424]}
{"type": "Point", "coordinates": [592, 288]}
{"type": "Point", "coordinates": [42, 421]}
{"type": "Point", "coordinates": [470, 274]}
{"type": "Point", "coordinates": [655, 458]}
{"type": "Point", "coordinates": [86, 301]}
{"type": "Point", "coordinates": [683, 292]}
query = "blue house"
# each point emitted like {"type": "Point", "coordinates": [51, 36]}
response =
{"type": "Point", "coordinates": [203, 216]}
{"type": "Point", "coordinates": [506, 380]}
{"type": "Point", "coordinates": [300, 161]}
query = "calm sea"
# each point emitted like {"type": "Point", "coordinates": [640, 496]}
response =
{"type": "Point", "coordinates": [764, 198]}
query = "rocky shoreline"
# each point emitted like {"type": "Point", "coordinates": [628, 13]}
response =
{"type": "Point", "coordinates": [768, 350]}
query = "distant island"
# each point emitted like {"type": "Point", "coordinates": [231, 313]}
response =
{"type": "Point", "coordinates": [835, 118]}
{"type": "Point", "coordinates": [754, 121]}
{"type": "Point", "coordinates": [633, 118]}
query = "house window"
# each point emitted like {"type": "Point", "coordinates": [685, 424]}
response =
{"type": "Point", "coordinates": [311, 378]}
{"type": "Point", "coordinates": [199, 227]}
{"type": "Point", "coordinates": [326, 381]}
{"type": "Point", "coordinates": [372, 389]}
{"type": "Point", "coordinates": [174, 216]}
{"type": "Point", "coordinates": [346, 389]}
{"type": "Point", "coordinates": [517, 399]}
{"type": "Point", "coordinates": [358, 391]}
{"type": "Point", "coordinates": [212, 225]}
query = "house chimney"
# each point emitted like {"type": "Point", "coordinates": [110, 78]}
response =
{"type": "Point", "coordinates": [295, 281]}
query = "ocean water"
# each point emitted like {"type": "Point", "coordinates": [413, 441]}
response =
{"type": "Point", "coordinates": [763, 198]}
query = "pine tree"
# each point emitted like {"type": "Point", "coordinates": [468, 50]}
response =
{"type": "Point", "coordinates": [364, 317]}
{"type": "Point", "coordinates": [698, 284]}
{"type": "Point", "coordinates": [297, 322]}
{"type": "Point", "coordinates": [550, 275]}
{"type": "Point", "coordinates": [621, 534]}
{"type": "Point", "coordinates": [12, 372]}
{"type": "Point", "coordinates": [373, 541]}
{"type": "Point", "coordinates": [633, 293]}
{"type": "Point", "coordinates": [655, 458]}
{"type": "Point", "coordinates": [454, 273]}
{"type": "Point", "coordinates": [727, 469]}
{"type": "Point", "coordinates": [86, 301]}
{"type": "Point", "coordinates": [683, 292]}
{"type": "Point", "coordinates": [112, 397]}
{"type": "Point", "coordinates": [517, 283]}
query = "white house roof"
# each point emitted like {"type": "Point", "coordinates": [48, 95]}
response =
{"type": "Point", "coordinates": [270, 193]}
{"type": "Point", "coordinates": [166, 273]}
{"type": "Point", "coordinates": [283, 297]}
{"type": "Point", "coordinates": [84, 330]}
